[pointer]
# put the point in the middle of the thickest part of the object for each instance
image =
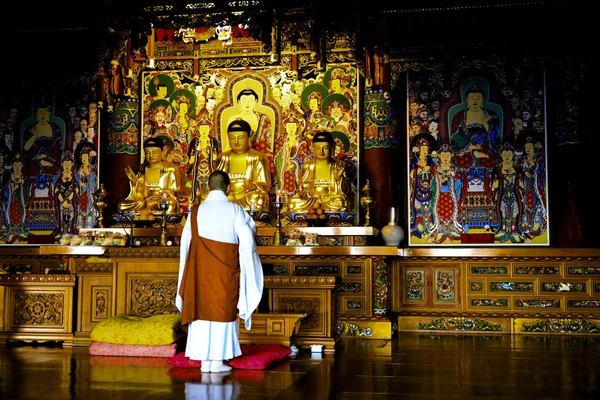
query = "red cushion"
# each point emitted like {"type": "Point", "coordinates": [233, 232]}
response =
{"type": "Point", "coordinates": [179, 360]}
{"type": "Point", "coordinates": [256, 357]}
{"type": "Point", "coordinates": [259, 357]}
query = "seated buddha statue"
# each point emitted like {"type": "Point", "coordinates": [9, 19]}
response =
{"type": "Point", "coordinates": [155, 182]}
{"type": "Point", "coordinates": [248, 169]}
{"type": "Point", "coordinates": [323, 180]}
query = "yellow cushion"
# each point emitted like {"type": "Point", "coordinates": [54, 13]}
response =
{"type": "Point", "coordinates": [128, 329]}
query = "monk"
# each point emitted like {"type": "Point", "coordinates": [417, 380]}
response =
{"type": "Point", "coordinates": [220, 276]}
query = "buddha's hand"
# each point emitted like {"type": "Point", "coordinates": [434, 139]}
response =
{"type": "Point", "coordinates": [252, 187]}
{"type": "Point", "coordinates": [486, 115]}
{"type": "Point", "coordinates": [131, 175]}
{"type": "Point", "coordinates": [165, 194]}
{"type": "Point", "coordinates": [341, 171]}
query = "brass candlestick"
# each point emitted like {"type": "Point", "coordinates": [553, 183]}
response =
{"type": "Point", "coordinates": [367, 202]}
{"type": "Point", "coordinates": [100, 204]}
{"type": "Point", "coordinates": [277, 237]}
{"type": "Point", "coordinates": [164, 234]}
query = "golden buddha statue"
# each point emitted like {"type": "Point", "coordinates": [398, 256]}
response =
{"type": "Point", "coordinates": [248, 169]}
{"type": "Point", "coordinates": [156, 181]}
{"type": "Point", "coordinates": [323, 180]}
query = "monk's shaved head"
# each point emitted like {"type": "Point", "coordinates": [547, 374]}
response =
{"type": "Point", "coordinates": [218, 180]}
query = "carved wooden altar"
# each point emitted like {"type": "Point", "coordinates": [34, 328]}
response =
{"type": "Point", "coordinates": [516, 291]}
{"type": "Point", "coordinates": [143, 281]}
{"type": "Point", "coordinates": [378, 290]}
{"type": "Point", "coordinates": [37, 307]}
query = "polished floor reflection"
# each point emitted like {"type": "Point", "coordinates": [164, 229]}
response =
{"type": "Point", "coordinates": [413, 366]}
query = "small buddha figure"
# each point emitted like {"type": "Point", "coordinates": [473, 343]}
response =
{"type": "Point", "coordinates": [156, 181]}
{"type": "Point", "coordinates": [323, 180]}
{"type": "Point", "coordinates": [248, 169]}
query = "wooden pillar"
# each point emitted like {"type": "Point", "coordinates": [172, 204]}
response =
{"type": "Point", "coordinates": [381, 158]}
{"type": "Point", "coordinates": [121, 149]}
{"type": "Point", "coordinates": [378, 169]}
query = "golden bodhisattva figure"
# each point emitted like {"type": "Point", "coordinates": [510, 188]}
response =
{"type": "Point", "coordinates": [155, 181]}
{"type": "Point", "coordinates": [323, 180]}
{"type": "Point", "coordinates": [248, 169]}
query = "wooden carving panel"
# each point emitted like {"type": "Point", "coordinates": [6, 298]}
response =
{"type": "Point", "coordinates": [38, 309]}
{"type": "Point", "coordinates": [145, 288]}
{"type": "Point", "coordinates": [427, 285]}
{"type": "Point", "coordinates": [355, 294]}
{"type": "Point", "coordinates": [351, 297]}
{"type": "Point", "coordinates": [32, 309]}
{"type": "Point", "coordinates": [312, 302]}
{"type": "Point", "coordinates": [101, 299]}
{"type": "Point", "coordinates": [152, 296]}
{"type": "Point", "coordinates": [540, 286]}
{"type": "Point", "coordinates": [96, 302]}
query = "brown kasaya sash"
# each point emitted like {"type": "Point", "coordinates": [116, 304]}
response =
{"type": "Point", "coordinates": [210, 286]}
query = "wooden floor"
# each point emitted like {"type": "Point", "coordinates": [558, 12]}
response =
{"type": "Point", "coordinates": [413, 366]}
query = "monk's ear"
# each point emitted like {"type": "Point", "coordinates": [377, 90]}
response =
{"type": "Point", "coordinates": [227, 189]}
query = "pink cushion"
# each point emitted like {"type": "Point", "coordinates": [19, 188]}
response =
{"type": "Point", "coordinates": [256, 357]}
{"type": "Point", "coordinates": [132, 350]}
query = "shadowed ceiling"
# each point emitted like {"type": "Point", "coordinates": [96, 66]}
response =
{"type": "Point", "coordinates": [60, 33]}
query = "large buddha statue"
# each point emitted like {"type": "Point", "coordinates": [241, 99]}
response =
{"type": "Point", "coordinates": [155, 181]}
{"type": "Point", "coordinates": [248, 169]}
{"type": "Point", "coordinates": [323, 180]}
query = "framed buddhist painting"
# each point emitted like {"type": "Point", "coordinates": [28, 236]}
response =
{"type": "Point", "coordinates": [50, 164]}
{"type": "Point", "coordinates": [191, 114]}
{"type": "Point", "coordinates": [477, 155]}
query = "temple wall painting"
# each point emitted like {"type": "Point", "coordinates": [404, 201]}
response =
{"type": "Point", "coordinates": [49, 159]}
{"type": "Point", "coordinates": [190, 113]}
{"type": "Point", "coordinates": [476, 154]}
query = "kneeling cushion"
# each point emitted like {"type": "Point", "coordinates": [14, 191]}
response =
{"type": "Point", "coordinates": [156, 330]}
{"type": "Point", "coordinates": [255, 357]}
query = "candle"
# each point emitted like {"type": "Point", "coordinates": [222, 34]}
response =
{"type": "Point", "coordinates": [252, 206]}
{"type": "Point", "coordinates": [393, 214]}
{"type": "Point", "coordinates": [278, 197]}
